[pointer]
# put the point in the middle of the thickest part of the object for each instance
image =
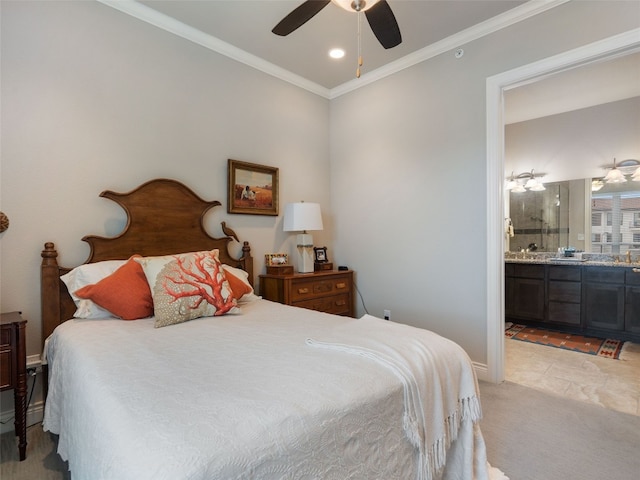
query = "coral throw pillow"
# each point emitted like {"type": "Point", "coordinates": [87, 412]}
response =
{"type": "Point", "coordinates": [125, 293]}
{"type": "Point", "coordinates": [239, 286]}
{"type": "Point", "coordinates": [188, 286]}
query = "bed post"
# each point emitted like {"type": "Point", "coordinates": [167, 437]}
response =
{"type": "Point", "coordinates": [50, 290]}
{"type": "Point", "coordinates": [247, 261]}
{"type": "Point", "coordinates": [49, 301]}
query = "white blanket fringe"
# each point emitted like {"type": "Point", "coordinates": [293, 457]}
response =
{"type": "Point", "coordinates": [432, 458]}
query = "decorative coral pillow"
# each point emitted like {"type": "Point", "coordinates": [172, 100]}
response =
{"type": "Point", "coordinates": [125, 293]}
{"type": "Point", "coordinates": [187, 286]}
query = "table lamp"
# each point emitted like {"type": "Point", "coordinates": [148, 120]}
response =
{"type": "Point", "coordinates": [300, 217]}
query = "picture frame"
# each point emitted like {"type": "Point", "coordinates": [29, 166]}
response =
{"type": "Point", "coordinates": [320, 254]}
{"type": "Point", "coordinates": [275, 259]}
{"type": "Point", "coordinates": [252, 189]}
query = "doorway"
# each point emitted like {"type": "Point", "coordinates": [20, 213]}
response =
{"type": "Point", "coordinates": [496, 86]}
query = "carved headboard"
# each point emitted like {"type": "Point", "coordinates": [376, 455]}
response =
{"type": "Point", "coordinates": [163, 217]}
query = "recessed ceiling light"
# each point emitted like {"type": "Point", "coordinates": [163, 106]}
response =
{"type": "Point", "coordinates": [336, 53]}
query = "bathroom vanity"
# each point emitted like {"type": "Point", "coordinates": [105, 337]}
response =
{"type": "Point", "coordinates": [590, 297]}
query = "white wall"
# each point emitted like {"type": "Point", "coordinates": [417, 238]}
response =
{"type": "Point", "coordinates": [408, 162]}
{"type": "Point", "coordinates": [575, 144]}
{"type": "Point", "coordinates": [93, 99]}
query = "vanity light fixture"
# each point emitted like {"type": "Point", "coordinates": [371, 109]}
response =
{"type": "Point", "coordinates": [525, 181]}
{"type": "Point", "coordinates": [614, 175]}
{"type": "Point", "coordinates": [596, 184]}
{"type": "Point", "coordinates": [511, 183]}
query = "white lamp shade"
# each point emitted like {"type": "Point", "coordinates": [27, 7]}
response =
{"type": "Point", "coordinates": [636, 175]}
{"type": "Point", "coordinates": [302, 216]}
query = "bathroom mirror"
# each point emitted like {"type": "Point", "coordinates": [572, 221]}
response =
{"type": "Point", "coordinates": [570, 214]}
{"type": "Point", "coordinates": [541, 220]}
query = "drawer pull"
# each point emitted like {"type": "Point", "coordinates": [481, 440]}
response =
{"type": "Point", "coordinates": [341, 285]}
{"type": "Point", "coordinates": [340, 303]}
{"type": "Point", "coordinates": [303, 290]}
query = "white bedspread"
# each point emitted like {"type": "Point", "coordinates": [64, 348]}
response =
{"type": "Point", "coordinates": [235, 397]}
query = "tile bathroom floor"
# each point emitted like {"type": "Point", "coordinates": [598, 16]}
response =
{"type": "Point", "coordinates": [613, 384]}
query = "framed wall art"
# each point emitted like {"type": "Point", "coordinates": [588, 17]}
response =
{"type": "Point", "coordinates": [252, 189]}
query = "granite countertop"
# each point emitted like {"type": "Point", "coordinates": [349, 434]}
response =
{"type": "Point", "coordinates": [587, 260]}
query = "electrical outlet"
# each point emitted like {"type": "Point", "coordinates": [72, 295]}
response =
{"type": "Point", "coordinates": [35, 370]}
{"type": "Point", "coordinates": [387, 314]}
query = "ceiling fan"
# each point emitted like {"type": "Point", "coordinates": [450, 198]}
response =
{"type": "Point", "coordinates": [378, 12]}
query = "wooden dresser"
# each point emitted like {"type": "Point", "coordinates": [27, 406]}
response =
{"type": "Point", "coordinates": [325, 291]}
{"type": "Point", "coordinates": [13, 371]}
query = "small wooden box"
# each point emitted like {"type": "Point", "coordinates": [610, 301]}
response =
{"type": "Point", "coordinates": [279, 269]}
{"type": "Point", "coordinates": [321, 267]}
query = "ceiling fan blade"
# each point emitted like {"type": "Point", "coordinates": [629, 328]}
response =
{"type": "Point", "coordinates": [299, 16]}
{"type": "Point", "coordinates": [384, 25]}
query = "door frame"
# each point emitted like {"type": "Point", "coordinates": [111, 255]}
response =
{"type": "Point", "coordinates": [617, 45]}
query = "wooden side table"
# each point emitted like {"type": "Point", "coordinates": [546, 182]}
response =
{"type": "Point", "coordinates": [328, 291]}
{"type": "Point", "coordinates": [13, 371]}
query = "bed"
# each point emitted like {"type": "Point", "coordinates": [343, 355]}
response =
{"type": "Point", "coordinates": [249, 390]}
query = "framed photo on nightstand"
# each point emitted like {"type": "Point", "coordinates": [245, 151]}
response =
{"type": "Point", "coordinates": [320, 254]}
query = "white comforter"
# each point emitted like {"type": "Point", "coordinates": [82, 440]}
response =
{"type": "Point", "coordinates": [245, 397]}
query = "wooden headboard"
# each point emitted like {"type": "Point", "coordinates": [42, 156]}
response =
{"type": "Point", "coordinates": [163, 217]}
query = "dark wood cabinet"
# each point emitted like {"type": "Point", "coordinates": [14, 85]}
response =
{"type": "Point", "coordinates": [13, 371]}
{"type": "Point", "coordinates": [525, 291]}
{"type": "Point", "coordinates": [632, 301]}
{"type": "Point", "coordinates": [325, 291]}
{"type": "Point", "coordinates": [604, 295]}
{"type": "Point", "coordinates": [564, 294]}
{"type": "Point", "coordinates": [589, 299]}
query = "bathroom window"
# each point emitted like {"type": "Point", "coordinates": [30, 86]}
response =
{"type": "Point", "coordinates": [610, 216]}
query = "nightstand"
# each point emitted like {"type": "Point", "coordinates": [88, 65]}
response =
{"type": "Point", "coordinates": [13, 371]}
{"type": "Point", "coordinates": [325, 291]}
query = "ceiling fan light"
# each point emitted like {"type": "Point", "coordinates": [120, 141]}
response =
{"type": "Point", "coordinates": [355, 5]}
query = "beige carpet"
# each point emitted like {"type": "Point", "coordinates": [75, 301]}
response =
{"type": "Point", "coordinates": [530, 435]}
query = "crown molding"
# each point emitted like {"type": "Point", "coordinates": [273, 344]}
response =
{"type": "Point", "coordinates": [170, 24]}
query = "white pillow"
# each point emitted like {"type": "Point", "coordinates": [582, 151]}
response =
{"type": "Point", "coordinates": [89, 274]}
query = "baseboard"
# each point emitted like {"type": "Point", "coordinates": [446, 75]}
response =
{"type": "Point", "coordinates": [35, 414]}
{"type": "Point", "coordinates": [482, 371]}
